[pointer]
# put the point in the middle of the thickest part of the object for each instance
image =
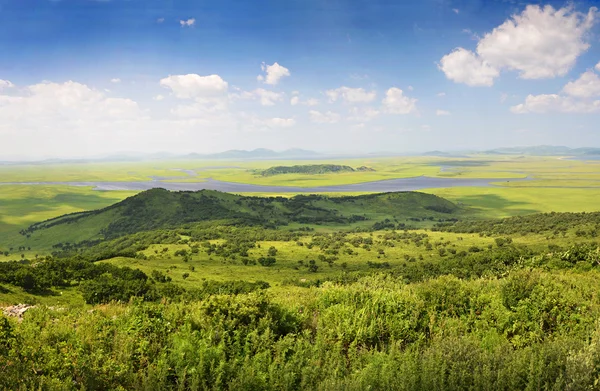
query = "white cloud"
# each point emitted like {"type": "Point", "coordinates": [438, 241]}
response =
{"type": "Point", "coordinates": [503, 97]}
{"type": "Point", "coordinates": [273, 73]}
{"type": "Point", "coordinates": [201, 108]}
{"type": "Point", "coordinates": [308, 102]}
{"type": "Point", "coordinates": [116, 80]}
{"type": "Point", "coordinates": [464, 66]}
{"type": "Point", "coordinates": [187, 23]}
{"type": "Point", "coordinates": [442, 112]}
{"type": "Point", "coordinates": [159, 97]}
{"type": "Point", "coordinates": [65, 106]}
{"type": "Point", "coordinates": [311, 102]}
{"type": "Point", "coordinates": [5, 84]}
{"type": "Point", "coordinates": [577, 98]}
{"type": "Point", "coordinates": [456, 10]}
{"type": "Point", "coordinates": [587, 86]}
{"type": "Point", "coordinates": [324, 118]}
{"type": "Point", "coordinates": [360, 114]}
{"type": "Point", "coordinates": [552, 103]}
{"type": "Point", "coordinates": [351, 95]}
{"type": "Point", "coordinates": [441, 94]}
{"type": "Point", "coordinates": [395, 102]}
{"type": "Point", "coordinates": [538, 43]}
{"type": "Point", "coordinates": [193, 85]}
{"type": "Point", "coordinates": [266, 98]}
{"type": "Point", "coordinates": [160, 20]}
{"type": "Point", "coordinates": [281, 122]}
{"type": "Point", "coordinates": [598, 67]}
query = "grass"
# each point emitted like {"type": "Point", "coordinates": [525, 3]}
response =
{"type": "Point", "coordinates": [558, 184]}
{"type": "Point", "coordinates": [21, 206]}
{"type": "Point", "coordinates": [288, 254]}
{"type": "Point", "coordinates": [496, 202]}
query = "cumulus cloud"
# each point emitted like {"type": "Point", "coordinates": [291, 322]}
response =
{"type": "Point", "coordinates": [351, 95]}
{"type": "Point", "coordinates": [395, 102]}
{"type": "Point", "coordinates": [193, 85]}
{"type": "Point", "coordinates": [266, 98]}
{"type": "Point", "coordinates": [160, 20]}
{"type": "Point", "coordinates": [555, 103]}
{"type": "Point", "coordinates": [187, 23]}
{"type": "Point", "coordinates": [5, 84]}
{"type": "Point", "coordinates": [116, 80]}
{"type": "Point", "coordinates": [159, 97]}
{"type": "Point", "coordinates": [324, 118]}
{"type": "Point", "coordinates": [51, 111]}
{"type": "Point", "coordinates": [281, 122]}
{"type": "Point", "coordinates": [308, 102]}
{"type": "Point", "coordinates": [587, 86]}
{"type": "Point", "coordinates": [464, 66]}
{"type": "Point", "coordinates": [441, 94]}
{"type": "Point", "coordinates": [577, 97]}
{"type": "Point", "coordinates": [598, 67]}
{"type": "Point", "coordinates": [442, 112]}
{"type": "Point", "coordinates": [541, 42]}
{"type": "Point", "coordinates": [273, 73]}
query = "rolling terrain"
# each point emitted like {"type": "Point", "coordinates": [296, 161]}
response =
{"type": "Point", "coordinates": [158, 208]}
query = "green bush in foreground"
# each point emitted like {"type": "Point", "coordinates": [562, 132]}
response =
{"type": "Point", "coordinates": [530, 330]}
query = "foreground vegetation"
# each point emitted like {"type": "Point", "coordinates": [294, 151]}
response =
{"type": "Point", "coordinates": [233, 303]}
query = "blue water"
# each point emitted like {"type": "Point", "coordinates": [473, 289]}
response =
{"type": "Point", "coordinates": [402, 184]}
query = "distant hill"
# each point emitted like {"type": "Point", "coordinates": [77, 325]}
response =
{"type": "Point", "coordinates": [159, 208]}
{"type": "Point", "coordinates": [311, 169]}
{"type": "Point", "coordinates": [544, 150]}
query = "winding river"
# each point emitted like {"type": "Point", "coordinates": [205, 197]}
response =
{"type": "Point", "coordinates": [400, 184]}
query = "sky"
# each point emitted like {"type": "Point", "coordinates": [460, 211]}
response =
{"type": "Point", "coordinates": [85, 78]}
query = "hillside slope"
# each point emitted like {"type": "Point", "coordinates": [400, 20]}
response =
{"type": "Point", "coordinates": [159, 208]}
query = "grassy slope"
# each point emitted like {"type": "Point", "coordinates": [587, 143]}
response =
{"type": "Point", "coordinates": [496, 202]}
{"type": "Point", "coordinates": [21, 206]}
{"type": "Point", "coordinates": [159, 208]}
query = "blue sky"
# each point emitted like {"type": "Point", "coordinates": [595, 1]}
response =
{"type": "Point", "coordinates": [83, 77]}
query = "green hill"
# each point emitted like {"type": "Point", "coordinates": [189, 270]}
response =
{"type": "Point", "coordinates": [159, 208]}
{"type": "Point", "coordinates": [311, 169]}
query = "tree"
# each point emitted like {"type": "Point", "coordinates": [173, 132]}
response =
{"type": "Point", "coordinates": [268, 261]}
{"type": "Point", "coordinates": [272, 251]}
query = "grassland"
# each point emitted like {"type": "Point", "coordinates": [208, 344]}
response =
{"type": "Point", "coordinates": [214, 291]}
{"type": "Point", "coordinates": [556, 184]}
{"type": "Point", "coordinates": [22, 205]}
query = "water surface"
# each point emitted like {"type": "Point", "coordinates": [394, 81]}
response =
{"type": "Point", "coordinates": [400, 184]}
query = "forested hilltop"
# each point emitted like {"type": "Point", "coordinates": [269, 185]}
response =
{"type": "Point", "coordinates": [159, 208]}
{"type": "Point", "coordinates": [200, 291]}
{"type": "Point", "coordinates": [311, 169]}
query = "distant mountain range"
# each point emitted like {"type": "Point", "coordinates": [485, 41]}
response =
{"type": "Point", "coordinates": [545, 150]}
{"type": "Point", "coordinates": [303, 154]}
{"type": "Point", "coordinates": [260, 153]}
